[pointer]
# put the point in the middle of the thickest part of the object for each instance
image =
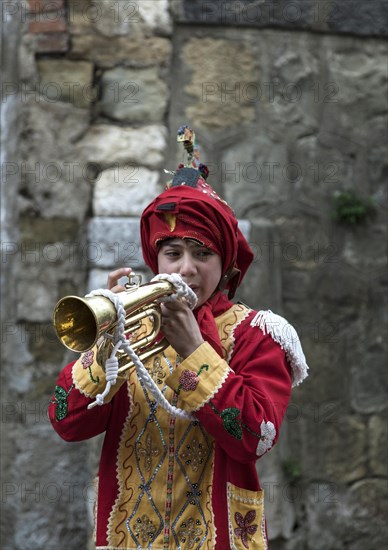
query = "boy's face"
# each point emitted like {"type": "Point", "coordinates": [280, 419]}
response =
{"type": "Point", "coordinates": [198, 266]}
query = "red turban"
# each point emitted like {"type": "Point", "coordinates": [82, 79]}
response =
{"type": "Point", "coordinates": [191, 209]}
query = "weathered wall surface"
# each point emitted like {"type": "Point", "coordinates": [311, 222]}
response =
{"type": "Point", "coordinates": [288, 100]}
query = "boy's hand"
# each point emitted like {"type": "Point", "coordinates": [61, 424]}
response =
{"type": "Point", "coordinates": [114, 277]}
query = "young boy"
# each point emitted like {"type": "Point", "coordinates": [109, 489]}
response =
{"type": "Point", "coordinates": [166, 483]}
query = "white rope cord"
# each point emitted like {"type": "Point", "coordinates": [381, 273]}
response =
{"type": "Point", "coordinates": [183, 291]}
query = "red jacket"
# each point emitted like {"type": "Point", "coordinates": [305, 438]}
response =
{"type": "Point", "coordinates": [167, 483]}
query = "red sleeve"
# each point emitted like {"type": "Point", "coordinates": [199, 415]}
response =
{"type": "Point", "coordinates": [242, 404]}
{"type": "Point", "coordinates": [259, 387]}
{"type": "Point", "coordinates": [69, 414]}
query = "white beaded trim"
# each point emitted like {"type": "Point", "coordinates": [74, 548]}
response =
{"type": "Point", "coordinates": [286, 336]}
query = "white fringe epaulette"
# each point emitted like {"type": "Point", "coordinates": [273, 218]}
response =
{"type": "Point", "coordinates": [286, 336]}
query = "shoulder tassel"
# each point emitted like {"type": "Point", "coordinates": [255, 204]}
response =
{"type": "Point", "coordinates": [286, 336]}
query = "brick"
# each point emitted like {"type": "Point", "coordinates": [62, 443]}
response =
{"type": "Point", "coordinates": [59, 24]}
{"type": "Point", "coordinates": [43, 6]}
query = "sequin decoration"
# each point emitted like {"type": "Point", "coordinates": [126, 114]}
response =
{"type": "Point", "coordinates": [194, 494]}
{"type": "Point", "coordinates": [144, 528]}
{"type": "Point", "coordinates": [156, 371]}
{"type": "Point", "coordinates": [190, 532]}
{"type": "Point", "coordinates": [87, 362]}
{"type": "Point", "coordinates": [231, 423]}
{"type": "Point", "coordinates": [268, 434]}
{"type": "Point", "coordinates": [60, 399]}
{"type": "Point", "coordinates": [148, 452]}
{"type": "Point", "coordinates": [189, 379]}
{"type": "Point", "coordinates": [244, 526]}
{"type": "Point", "coordinates": [194, 454]}
{"type": "Point", "coordinates": [234, 425]}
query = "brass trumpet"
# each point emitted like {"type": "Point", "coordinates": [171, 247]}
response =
{"type": "Point", "coordinates": [81, 322]}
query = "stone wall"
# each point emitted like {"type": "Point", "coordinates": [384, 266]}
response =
{"type": "Point", "coordinates": [289, 106]}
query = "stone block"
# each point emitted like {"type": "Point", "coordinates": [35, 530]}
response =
{"type": "Point", "coordinates": [279, 505]}
{"type": "Point", "coordinates": [335, 17]}
{"type": "Point", "coordinates": [261, 287]}
{"type": "Point", "coordinates": [366, 19]}
{"type": "Point", "coordinates": [56, 42]}
{"type": "Point", "coordinates": [53, 127]}
{"type": "Point", "coordinates": [113, 19]}
{"type": "Point", "coordinates": [364, 252]}
{"type": "Point", "coordinates": [51, 488]}
{"type": "Point", "coordinates": [106, 145]}
{"type": "Point", "coordinates": [36, 300]}
{"type": "Point", "coordinates": [370, 500]}
{"type": "Point", "coordinates": [335, 514]}
{"type": "Point", "coordinates": [69, 81]}
{"type": "Point", "coordinates": [134, 95]}
{"type": "Point", "coordinates": [156, 16]}
{"type": "Point", "coordinates": [251, 175]}
{"type": "Point", "coordinates": [358, 72]}
{"type": "Point", "coordinates": [378, 451]}
{"type": "Point", "coordinates": [47, 231]}
{"type": "Point", "coordinates": [325, 516]}
{"type": "Point", "coordinates": [107, 52]}
{"type": "Point", "coordinates": [130, 18]}
{"type": "Point", "coordinates": [116, 242]}
{"type": "Point", "coordinates": [124, 191]}
{"type": "Point", "coordinates": [220, 71]}
{"type": "Point", "coordinates": [44, 266]}
{"type": "Point", "coordinates": [18, 366]}
{"type": "Point", "coordinates": [369, 382]}
{"type": "Point", "coordinates": [334, 447]}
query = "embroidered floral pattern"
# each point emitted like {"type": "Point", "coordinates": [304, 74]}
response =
{"type": "Point", "coordinates": [244, 526]}
{"type": "Point", "coordinates": [234, 425]}
{"type": "Point", "coordinates": [194, 454]}
{"type": "Point", "coordinates": [87, 362]}
{"type": "Point", "coordinates": [148, 453]}
{"type": "Point", "coordinates": [190, 532]}
{"type": "Point", "coordinates": [194, 494]}
{"type": "Point", "coordinates": [144, 528]}
{"type": "Point", "coordinates": [268, 433]}
{"type": "Point", "coordinates": [87, 359]}
{"type": "Point", "coordinates": [156, 371]}
{"type": "Point", "coordinates": [60, 399]}
{"type": "Point", "coordinates": [189, 379]}
{"type": "Point", "coordinates": [231, 423]}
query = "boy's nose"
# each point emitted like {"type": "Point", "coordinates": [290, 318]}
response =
{"type": "Point", "coordinates": [187, 267]}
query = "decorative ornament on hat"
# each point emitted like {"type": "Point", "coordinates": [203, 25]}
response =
{"type": "Point", "coordinates": [186, 136]}
{"type": "Point", "coordinates": [192, 173]}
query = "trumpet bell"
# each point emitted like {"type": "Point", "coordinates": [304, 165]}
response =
{"type": "Point", "coordinates": [78, 322]}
